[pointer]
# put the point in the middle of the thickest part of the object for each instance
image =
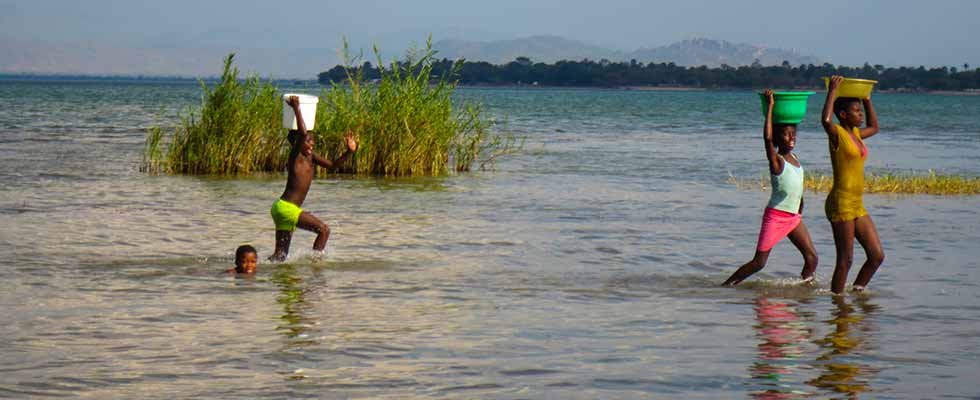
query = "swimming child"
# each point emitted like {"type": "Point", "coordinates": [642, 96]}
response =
{"type": "Point", "coordinates": [246, 259]}
{"type": "Point", "coordinates": [784, 214]}
{"type": "Point", "coordinates": [286, 211]}
{"type": "Point", "coordinates": [845, 206]}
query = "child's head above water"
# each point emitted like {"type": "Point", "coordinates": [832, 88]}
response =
{"type": "Point", "coordinates": [784, 137]}
{"type": "Point", "coordinates": [246, 259]}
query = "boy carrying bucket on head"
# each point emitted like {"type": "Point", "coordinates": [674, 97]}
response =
{"type": "Point", "coordinates": [286, 211]}
{"type": "Point", "coordinates": [784, 215]}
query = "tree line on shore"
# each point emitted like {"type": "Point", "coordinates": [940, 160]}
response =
{"type": "Point", "coordinates": [604, 73]}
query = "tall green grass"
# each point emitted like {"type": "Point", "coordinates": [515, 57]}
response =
{"type": "Point", "coordinates": [931, 183]}
{"type": "Point", "coordinates": [406, 123]}
{"type": "Point", "coordinates": [236, 130]}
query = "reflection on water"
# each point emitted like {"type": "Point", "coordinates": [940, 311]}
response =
{"type": "Point", "coordinates": [783, 332]}
{"type": "Point", "coordinates": [843, 371]}
{"type": "Point", "coordinates": [793, 357]}
{"type": "Point", "coordinates": [295, 324]}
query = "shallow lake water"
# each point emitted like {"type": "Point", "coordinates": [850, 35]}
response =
{"type": "Point", "coordinates": [585, 267]}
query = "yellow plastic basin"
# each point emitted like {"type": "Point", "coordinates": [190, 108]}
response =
{"type": "Point", "coordinates": [852, 87]}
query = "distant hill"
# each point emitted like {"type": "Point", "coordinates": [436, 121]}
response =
{"type": "Point", "coordinates": [36, 57]}
{"type": "Point", "coordinates": [714, 53]}
{"type": "Point", "coordinates": [25, 56]}
{"type": "Point", "coordinates": [549, 49]}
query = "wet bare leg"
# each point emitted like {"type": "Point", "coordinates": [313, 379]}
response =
{"type": "Point", "coordinates": [800, 237]}
{"type": "Point", "coordinates": [751, 267]}
{"type": "Point", "coordinates": [313, 224]}
{"type": "Point", "coordinates": [844, 242]}
{"type": "Point", "coordinates": [283, 238]}
{"type": "Point", "coordinates": [867, 235]}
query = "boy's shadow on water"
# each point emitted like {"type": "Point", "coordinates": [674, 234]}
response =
{"type": "Point", "coordinates": [785, 331]}
{"type": "Point", "coordinates": [295, 323]}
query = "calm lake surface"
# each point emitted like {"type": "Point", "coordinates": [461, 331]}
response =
{"type": "Point", "coordinates": [585, 267]}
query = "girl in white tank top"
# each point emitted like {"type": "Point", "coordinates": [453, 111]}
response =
{"type": "Point", "coordinates": [783, 216]}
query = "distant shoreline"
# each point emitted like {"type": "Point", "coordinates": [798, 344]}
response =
{"type": "Point", "coordinates": [553, 87]}
{"type": "Point", "coordinates": [665, 88]}
{"type": "Point", "coordinates": [654, 88]}
{"type": "Point", "coordinates": [639, 88]}
{"type": "Point", "coordinates": [967, 92]}
{"type": "Point", "coordinates": [129, 79]}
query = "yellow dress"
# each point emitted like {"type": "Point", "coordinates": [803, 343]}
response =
{"type": "Point", "coordinates": [844, 203]}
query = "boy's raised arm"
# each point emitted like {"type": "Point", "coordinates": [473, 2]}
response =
{"type": "Point", "coordinates": [293, 102]}
{"type": "Point", "coordinates": [871, 127]}
{"type": "Point", "coordinates": [351, 148]}
{"type": "Point", "coordinates": [297, 143]}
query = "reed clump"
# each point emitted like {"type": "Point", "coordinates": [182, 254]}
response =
{"type": "Point", "coordinates": [406, 121]}
{"type": "Point", "coordinates": [237, 130]}
{"type": "Point", "coordinates": [931, 183]}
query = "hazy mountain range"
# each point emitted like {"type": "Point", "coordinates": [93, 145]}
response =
{"type": "Point", "coordinates": [19, 56]}
{"type": "Point", "coordinates": [549, 49]}
{"type": "Point", "coordinates": [45, 58]}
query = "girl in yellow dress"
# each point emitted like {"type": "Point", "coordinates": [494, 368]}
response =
{"type": "Point", "coordinates": [845, 207]}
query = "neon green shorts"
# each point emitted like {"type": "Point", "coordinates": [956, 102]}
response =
{"type": "Point", "coordinates": [285, 215]}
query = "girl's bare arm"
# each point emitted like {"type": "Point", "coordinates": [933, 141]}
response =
{"type": "Point", "coordinates": [775, 162]}
{"type": "Point", "coordinates": [827, 116]}
{"type": "Point", "coordinates": [871, 127]}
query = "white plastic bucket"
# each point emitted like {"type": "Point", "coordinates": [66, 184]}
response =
{"type": "Point", "coordinates": [307, 107]}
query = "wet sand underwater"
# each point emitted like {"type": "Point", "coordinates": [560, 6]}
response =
{"type": "Point", "coordinates": [586, 267]}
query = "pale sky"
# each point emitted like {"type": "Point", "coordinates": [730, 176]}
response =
{"type": "Point", "coordinates": [889, 32]}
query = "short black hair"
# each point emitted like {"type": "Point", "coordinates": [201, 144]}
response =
{"type": "Point", "coordinates": [843, 103]}
{"type": "Point", "coordinates": [242, 250]}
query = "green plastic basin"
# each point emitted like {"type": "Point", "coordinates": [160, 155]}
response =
{"type": "Point", "coordinates": [788, 107]}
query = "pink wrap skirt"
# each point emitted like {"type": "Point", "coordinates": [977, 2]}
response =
{"type": "Point", "coordinates": [776, 224]}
